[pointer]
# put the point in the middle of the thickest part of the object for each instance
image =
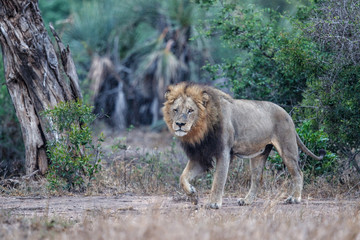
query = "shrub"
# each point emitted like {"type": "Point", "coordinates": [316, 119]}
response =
{"type": "Point", "coordinates": [74, 157]}
{"type": "Point", "coordinates": [272, 63]}
{"type": "Point", "coordinates": [334, 26]}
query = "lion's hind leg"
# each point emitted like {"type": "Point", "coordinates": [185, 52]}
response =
{"type": "Point", "coordinates": [192, 169]}
{"type": "Point", "coordinates": [257, 165]}
{"type": "Point", "coordinates": [291, 163]}
{"type": "Point", "coordinates": [290, 155]}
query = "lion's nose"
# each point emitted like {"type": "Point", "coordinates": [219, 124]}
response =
{"type": "Point", "coordinates": [180, 124]}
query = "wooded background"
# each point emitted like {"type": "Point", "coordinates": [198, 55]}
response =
{"type": "Point", "coordinates": [303, 55]}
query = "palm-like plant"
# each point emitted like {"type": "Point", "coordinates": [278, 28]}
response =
{"type": "Point", "coordinates": [157, 70]}
{"type": "Point", "coordinates": [148, 42]}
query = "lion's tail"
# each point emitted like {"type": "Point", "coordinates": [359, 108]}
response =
{"type": "Point", "coordinates": [322, 152]}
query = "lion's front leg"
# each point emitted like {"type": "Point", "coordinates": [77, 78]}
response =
{"type": "Point", "coordinates": [217, 189]}
{"type": "Point", "coordinates": [192, 169]}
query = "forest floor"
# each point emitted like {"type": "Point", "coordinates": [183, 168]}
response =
{"type": "Point", "coordinates": [119, 214]}
{"type": "Point", "coordinates": [165, 217]}
{"type": "Point", "coordinates": [76, 207]}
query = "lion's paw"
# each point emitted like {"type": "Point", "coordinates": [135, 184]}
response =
{"type": "Point", "coordinates": [292, 200]}
{"type": "Point", "coordinates": [194, 199]}
{"type": "Point", "coordinates": [213, 206]}
{"type": "Point", "coordinates": [192, 190]}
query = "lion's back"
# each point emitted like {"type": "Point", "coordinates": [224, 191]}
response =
{"type": "Point", "coordinates": [252, 119]}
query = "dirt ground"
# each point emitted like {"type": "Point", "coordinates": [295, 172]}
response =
{"type": "Point", "coordinates": [119, 215]}
{"type": "Point", "coordinates": [74, 207]}
{"type": "Point", "coordinates": [78, 206]}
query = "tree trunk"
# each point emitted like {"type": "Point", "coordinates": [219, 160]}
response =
{"type": "Point", "coordinates": [32, 75]}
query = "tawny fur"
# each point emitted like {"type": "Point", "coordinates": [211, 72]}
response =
{"type": "Point", "coordinates": [208, 111]}
{"type": "Point", "coordinates": [212, 125]}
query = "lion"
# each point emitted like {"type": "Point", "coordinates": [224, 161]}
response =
{"type": "Point", "coordinates": [212, 126]}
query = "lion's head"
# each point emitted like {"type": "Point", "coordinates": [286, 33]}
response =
{"type": "Point", "coordinates": [189, 111]}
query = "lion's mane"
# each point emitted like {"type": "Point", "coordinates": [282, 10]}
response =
{"type": "Point", "coordinates": [204, 141]}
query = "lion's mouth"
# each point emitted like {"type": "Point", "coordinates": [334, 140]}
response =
{"type": "Point", "coordinates": [180, 133]}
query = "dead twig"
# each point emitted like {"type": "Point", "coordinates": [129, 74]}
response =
{"type": "Point", "coordinates": [12, 182]}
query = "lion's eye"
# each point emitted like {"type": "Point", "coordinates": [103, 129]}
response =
{"type": "Point", "coordinates": [175, 110]}
{"type": "Point", "coordinates": [190, 111]}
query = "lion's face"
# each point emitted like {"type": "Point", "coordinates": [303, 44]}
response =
{"type": "Point", "coordinates": [184, 114]}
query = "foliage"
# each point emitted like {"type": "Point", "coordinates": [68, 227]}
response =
{"type": "Point", "coordinates": [307, 61]}
{"type": "Point", "coordinates": [148, 44]}
{"type": "Point", "coordinates": [54, 11]}
{"type": "Point", "coordinates": [336, 106]}
{"type": "Point", "coordinates": [74, 157]}
{"type": "Point", "coordinates": [273, 63]}
{"type": "Point", "coordinates": [316, 140]}
{"type": "Point", "coordinates": [342, 112]}
{"type": "Point", "coordinates": [334, 25]}
{"type": "Point", "coordinates": [116, 28]}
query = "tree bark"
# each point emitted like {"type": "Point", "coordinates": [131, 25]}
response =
{"type": "Point", "coordinates": [33, 76]}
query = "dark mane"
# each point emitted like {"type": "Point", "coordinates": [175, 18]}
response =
{"type": "Point", "coordinates": [208, 149]}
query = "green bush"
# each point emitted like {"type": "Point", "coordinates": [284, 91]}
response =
{"type": "Point", "coordinates": [316, 140]}
{"type": "Point", "coordinates": [273, 61]}
{"type": "Point", "coordinates": [289, 60]}
{"type": "Point", "coordinates": [333, 99]}
{"type": "Point", "coordinates": [74, 157]}
{"type": "Point", "coordinates": [335, 104]}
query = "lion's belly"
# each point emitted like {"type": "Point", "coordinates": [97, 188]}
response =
{"type": "Point", "coordinates": [249, 149]}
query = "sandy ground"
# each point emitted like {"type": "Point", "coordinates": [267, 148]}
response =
{"type": "Point", "coordinates": [78, 207]}
{"type": "Point", "coordinates": [75, 207]}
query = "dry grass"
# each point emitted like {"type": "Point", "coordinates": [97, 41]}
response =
{"type": "Point", "coordinates": [270, 220]}
{"type": "Point", "coordinates": [156, 172]}
{"type": "Point", "coordinates": [204, 224]}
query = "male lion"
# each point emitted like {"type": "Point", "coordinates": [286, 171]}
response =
{"type": "Point", "coordinates": [212, 125]}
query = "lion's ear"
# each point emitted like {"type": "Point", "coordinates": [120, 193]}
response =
{"type": "Point", "coordinates": [206, 98]}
